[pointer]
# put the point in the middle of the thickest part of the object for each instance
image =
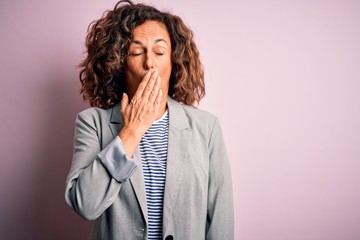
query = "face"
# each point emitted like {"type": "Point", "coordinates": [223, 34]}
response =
{"type": "Point", "coordinates": [149, 50]}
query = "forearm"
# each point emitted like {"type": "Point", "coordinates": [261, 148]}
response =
{"type": "Point", "coordinates": [92, 191]}
{"type": "Point", "coordinates": [95, 177]}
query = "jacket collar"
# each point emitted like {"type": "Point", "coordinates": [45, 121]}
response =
{"type": "Point", "coordinates": [115, 114]}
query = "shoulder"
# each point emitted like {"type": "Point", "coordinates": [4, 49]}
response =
{"type": "Point", "coordinates": [94, 112]}
{"type": "Point", "coordinates": [197, 115]}
{"type": "Point", "coordinates": [196, 119]}
{"type": "Point", "coordinates": [94, 115]}
{"type": "Point", "coordinates": [203, 121]}
{"type": "Point", "coordinates": [204, 125]}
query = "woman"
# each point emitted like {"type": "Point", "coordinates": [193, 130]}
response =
{"type": "Point", "coordinates": [147, 164]}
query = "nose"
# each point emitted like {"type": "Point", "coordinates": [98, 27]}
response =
{"type": "Point", "coordinates": [149, 62]}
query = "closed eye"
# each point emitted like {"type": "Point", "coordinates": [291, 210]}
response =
{"type": "Point", "coordinates": [135, 53]}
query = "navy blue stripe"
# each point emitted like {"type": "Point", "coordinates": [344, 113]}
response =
{"type": "Point", "coordinates": [153, 150]}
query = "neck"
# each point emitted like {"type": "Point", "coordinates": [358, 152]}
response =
{"type": "Point", "coordinates": [163, 107]}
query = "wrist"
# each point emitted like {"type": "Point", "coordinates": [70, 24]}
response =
{"type": "Point", "coordinates": [128, 133]}
{"type": "Point", "coordinates": [130, 139]}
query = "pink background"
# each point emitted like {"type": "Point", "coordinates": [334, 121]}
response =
{"type": "Point", "coordinates": [282, 76]}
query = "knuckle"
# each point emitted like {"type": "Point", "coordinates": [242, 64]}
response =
{"type": "Point", "coordinates": [141, 86]}
{"type": "Point", "coordinates": [135, 104]}
{"type": "Point", "coordinates": [141, 102]}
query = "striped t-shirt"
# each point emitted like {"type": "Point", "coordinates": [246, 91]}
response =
{"type": "Point", "coordinates": [153, 150]}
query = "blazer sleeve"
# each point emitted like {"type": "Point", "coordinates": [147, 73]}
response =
{"type": "Point", "coordinates": [90, 187]}
{"type": "Point", "coordinates": [220, 213]}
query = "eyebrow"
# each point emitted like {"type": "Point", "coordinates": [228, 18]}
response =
{"type": "Point", "coordinates": [156, 41]}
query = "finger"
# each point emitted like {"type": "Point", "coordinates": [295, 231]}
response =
{"type": "Point", "coordinates": [141, 86]}
{"type": "Point", "coordinates": [158, 98]}
{"type": "Point", "coordinates": [124, 102]}
{"type": "Point", "coordinates": [150, 85]}
{"type": "Point", "coordinates": [155, 90]}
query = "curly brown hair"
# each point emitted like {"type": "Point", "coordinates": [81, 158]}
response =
{"type": "Point", "coordinates": [108, 40]}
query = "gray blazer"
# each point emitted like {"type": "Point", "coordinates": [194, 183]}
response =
{"type": "Point", "coordinates": [198, 202]}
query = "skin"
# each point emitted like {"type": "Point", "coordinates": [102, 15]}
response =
{"type": "Point", "coordinates": [147, 75]}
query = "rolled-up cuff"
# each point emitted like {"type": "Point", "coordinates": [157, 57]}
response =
{"type": "Point", "coordinates": [115, 160]}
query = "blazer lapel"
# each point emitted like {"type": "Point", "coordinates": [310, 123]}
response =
{"type": "Point", "coordinates": [179, 139]}
{"type": "Point", "coordinates": [138, 184]}
{"type": "Point", "coordinates": [137, 179]}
